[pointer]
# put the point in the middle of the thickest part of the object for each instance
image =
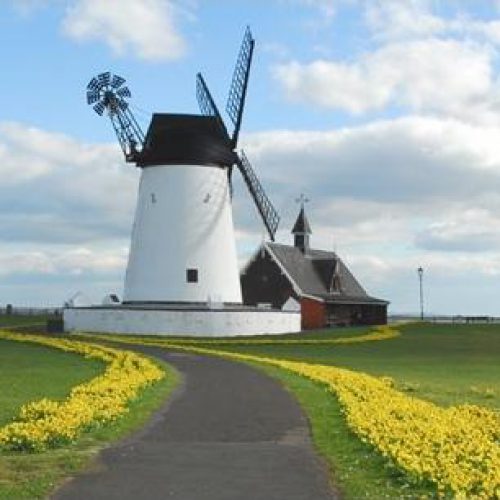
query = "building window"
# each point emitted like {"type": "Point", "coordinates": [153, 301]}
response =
{"type": "Point", "coordinates": [192, 275]}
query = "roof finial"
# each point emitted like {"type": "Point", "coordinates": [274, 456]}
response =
{"type": "Point", "coordinates": [302, 199]}
{"type": "Point", "coordinates": [302, 224]}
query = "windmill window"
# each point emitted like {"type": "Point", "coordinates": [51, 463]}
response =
{"type": "Point", "coordinates": [192, 275]}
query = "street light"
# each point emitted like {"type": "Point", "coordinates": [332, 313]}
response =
{"type": "Point", "coordinates": [420, 272]}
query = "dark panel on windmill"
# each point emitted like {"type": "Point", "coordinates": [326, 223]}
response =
{"type": "Point", "coordinates": [174, 139]}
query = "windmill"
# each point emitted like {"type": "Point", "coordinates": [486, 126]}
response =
{"type": "Point", "coordinates": [183, 246]}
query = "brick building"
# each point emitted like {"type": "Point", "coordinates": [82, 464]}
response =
{"type": "Point", "coordinates": [317, 281]}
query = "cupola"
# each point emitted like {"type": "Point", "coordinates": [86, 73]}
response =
{"type": "Point", "coordinates": [301, 231]}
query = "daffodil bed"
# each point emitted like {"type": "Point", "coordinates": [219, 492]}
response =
{"type": "Point", "coordinates": [44, 424]}
{"type": "Point", "coordinates": [377, 333]}
{"type": "Point", "coordinates": [457, 449]}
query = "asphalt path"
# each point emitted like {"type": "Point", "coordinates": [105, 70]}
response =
{"type": "Point", "coordinates": [228, 432]}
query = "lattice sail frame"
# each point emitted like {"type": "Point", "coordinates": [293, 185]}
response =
{"type": "Point", "coordinates": [234, 107]}
{"type": "Point", "coordinates": [269, 215]}
{"type": "Point", "coordinates": [239, 84]}
{"type": "Point", "coordinates": [206, 102]}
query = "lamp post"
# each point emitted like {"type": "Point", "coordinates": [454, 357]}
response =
{"type": "Point", "coordinates": [420, 272]}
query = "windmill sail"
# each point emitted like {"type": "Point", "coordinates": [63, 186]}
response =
{"type": "Point", "coordinates": [239, 84]}
{"type": "Point", "coordinates": [266, 209]}
{"type": "Point", "coordinates": [234, 108]}
{"type": "Point", "coordinates": [206, 102]}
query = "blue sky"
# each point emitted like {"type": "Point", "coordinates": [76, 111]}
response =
{"type": "Point", "coordinates": [50, 70]}
{"type": "Point", "coordinates": [385, 113]}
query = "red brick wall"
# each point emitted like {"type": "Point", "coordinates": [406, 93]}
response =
{"type": "Point", "coordinates": [313, 314]}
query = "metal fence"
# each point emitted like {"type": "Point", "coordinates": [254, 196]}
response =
{"type": "Point", "coordinates": [30, 311]}
{"type": "Point", "coordinates": [457, 319]}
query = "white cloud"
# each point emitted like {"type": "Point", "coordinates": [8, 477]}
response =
{"type": "Point", "coordinates": [422, 75]}
{"type": "Point", "coordinates": [388, 196]}
{"type": "Point", "coordinates": [28, 152]}
{"type": "Point", "coordinates": [47, 275]}
{"type": "Point", "coordinates": [66, 211]}
{"type": "Point", "coordinates": [416, 57]}
{"type": "Point", "coordinates": [56, 189]}
{"type": "Point", "coordinates": [62, 261]}
{"type": "Point", "coordinates": [402, 19]}
{"type": "Point", "coordinates": [472, 230]}
{"type": "Point", "coordinates": [148, 28]}
{"type": "Point", "coordinates": [464, 284]}
{"type": "Point", "coordinates": [396, 20]}
{"type": "Point", "coordinates": [333, 85]}
{"type": "Point", "coordinates": [403, 161]}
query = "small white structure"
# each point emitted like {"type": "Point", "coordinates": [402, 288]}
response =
{"type": "Point", "coordinates": [78, 299]}
{"type": "Point", "coordinates": [182, 276]}
{"type": "Point", "coordinates": [291, 305]}
{"type": "Point", "coordinates": [110, 299]}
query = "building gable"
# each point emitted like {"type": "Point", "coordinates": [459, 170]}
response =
{"type": "Point", "coordinates": [264, 282]}
{"type": "Point", "coordinates": [319, 280]}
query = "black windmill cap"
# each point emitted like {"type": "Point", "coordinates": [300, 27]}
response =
{"type": "Point", "coordinates": [182, 139]}
{"type": "Point", "coordinates": [301, 224]}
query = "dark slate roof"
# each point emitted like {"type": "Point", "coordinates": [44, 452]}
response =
{"type": "Point", "coordinates": [321, 274]}
{"type": "Point", "coordinates": [185, 140]}
{"type": "Point", "coordinates": [302, 224]}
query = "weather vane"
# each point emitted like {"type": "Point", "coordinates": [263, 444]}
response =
{"type": "Point", "coordinates": [301, 199]}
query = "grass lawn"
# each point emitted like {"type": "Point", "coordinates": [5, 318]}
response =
{"type": "Point", "coordinates": [357, 471]}
{"type": "Point", "coordinates": [29, 372]}
{"type": "Point", "coordinates": [7, 320]}
{"type": "Point", "coordinates": [446, 364]}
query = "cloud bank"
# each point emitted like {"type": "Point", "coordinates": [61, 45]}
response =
{"type": "Point", "coordinates": [413, 181]}
{"type": "Point", "coordinates": [146, 29]}
{"type": "Point", "coordinates": [389, 196]}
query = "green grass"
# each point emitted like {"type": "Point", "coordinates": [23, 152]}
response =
{"type": "Point", "coordinates": [29, 372]}
{"type": "Point", "coordinates": [36, 475]}
{"type": "Point", "coordinates": [309, 335]}
{"type": "Point", "coordinates": [14, 320]}
{"type": "Point", "coordinates": [357, 471]}
{"type": "Point", "coordinates": [446, 364]}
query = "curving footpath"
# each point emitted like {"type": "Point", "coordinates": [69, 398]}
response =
{"type": "Point", "coordinates": [228, 433]}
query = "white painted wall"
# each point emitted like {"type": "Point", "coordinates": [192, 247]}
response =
{"type": "Point", "coordinates": [181, 322]}
{"type": "Point", "coordinates": [183, 220]}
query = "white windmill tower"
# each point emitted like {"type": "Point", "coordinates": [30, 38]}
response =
{"type": "Point", "coordinates": [183, 246]}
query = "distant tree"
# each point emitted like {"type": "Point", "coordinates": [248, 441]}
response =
{"type": "Point", "coordinates": [8, 309]}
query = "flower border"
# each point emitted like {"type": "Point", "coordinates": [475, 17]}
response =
{"type": "Point", "coordinates": [46, 424]}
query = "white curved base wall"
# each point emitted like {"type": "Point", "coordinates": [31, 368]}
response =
{"type": "Point", "coordinates": [197, 323]}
